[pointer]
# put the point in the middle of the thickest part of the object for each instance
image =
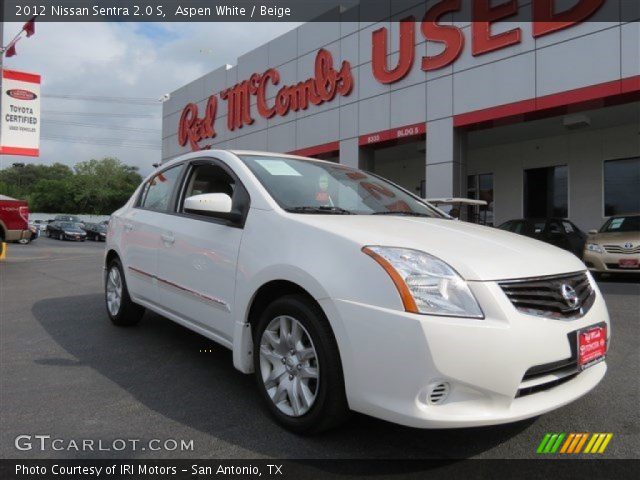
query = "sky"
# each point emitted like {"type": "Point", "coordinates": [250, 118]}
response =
{"type": "Point", "coordinates": [133, 60]}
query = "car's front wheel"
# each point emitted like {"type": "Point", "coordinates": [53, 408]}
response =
{"type": "Point", "coordinates": [121, 309]}
{"type": "Point", "coordinates": [297, 366]}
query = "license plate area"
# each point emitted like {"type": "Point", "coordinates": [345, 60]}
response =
{"type": "Point", "coordinates": [628, 263]}
{"type": "Point", "coordinates": [592, 346]}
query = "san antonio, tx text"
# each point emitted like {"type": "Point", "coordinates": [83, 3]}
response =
{"type": "Point", "coordinates": [142, 469]}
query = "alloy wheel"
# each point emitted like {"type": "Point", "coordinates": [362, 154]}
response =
{"type": "Point", "coordinates": [114, 291]}
{"type": "Point", "coordinates": [289, 366]}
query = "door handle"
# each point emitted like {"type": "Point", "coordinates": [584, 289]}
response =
{"type": "Point", "coordinates": [168, 238]}
{"type": "Point", "coordinates": [128, 227]}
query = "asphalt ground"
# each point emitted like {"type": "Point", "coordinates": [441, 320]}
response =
{"type": "Point", "coordinates": [65, 371]}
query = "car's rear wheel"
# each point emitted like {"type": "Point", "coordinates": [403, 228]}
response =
{"type": "Point", "coordinates": [297, 366]}
{"type": "Point", "coordinates": [121, 309]}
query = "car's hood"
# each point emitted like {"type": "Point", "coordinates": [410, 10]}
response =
{"type": "Point", "coordinates": [475, 252]}
{"type": "Point", "coordinates": [616, 238]}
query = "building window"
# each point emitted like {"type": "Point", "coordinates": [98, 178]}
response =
{"type": "Point", "coordinates": [485, 192]}
{"type": "Point", "coordinates": [546, 192]}
{"type": "Point", "coordinates": [480, 187]}
{"type": "Point", "coordinates": [621, 186]}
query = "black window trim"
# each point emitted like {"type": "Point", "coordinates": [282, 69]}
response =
{"type": "Point", "coordinates": [178, 199]}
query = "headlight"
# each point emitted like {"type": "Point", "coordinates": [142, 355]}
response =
{"type": "Point", "coordinates": [594, 247]}
{"type": "Point", "coordinates": [69, 233]}
{"type": "Point", "coordinates": [426, 284]}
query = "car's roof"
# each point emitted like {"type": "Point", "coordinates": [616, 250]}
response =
{"type": "Point", "coordinates": [213, 153]}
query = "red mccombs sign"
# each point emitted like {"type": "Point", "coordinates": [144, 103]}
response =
{"type": "Point", "coordinates": [328, 82]}
{"type": "Point", "coordinates": [323, 87]}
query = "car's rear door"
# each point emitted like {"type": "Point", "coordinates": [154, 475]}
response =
{"type": "Point", "coordinates": [142, 228]}
{"type": "Point", "coordinates": [199, 253]}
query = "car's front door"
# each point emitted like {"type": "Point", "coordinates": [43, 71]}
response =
{"type": "Point", "coordinates": [199, 253]}
{"type": "Point", "coordinates": [141, 231]}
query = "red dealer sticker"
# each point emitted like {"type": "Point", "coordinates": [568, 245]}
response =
{"type": "Point", "coordinates": [592, 346]}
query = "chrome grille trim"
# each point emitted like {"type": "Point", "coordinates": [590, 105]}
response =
{"type": "Point", "coordinates": [542, 296]}
{"type": "Point", "coordinates": [621, 250]}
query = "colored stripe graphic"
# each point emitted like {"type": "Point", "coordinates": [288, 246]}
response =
{"type": "Point", "coordinates": [551, 442]}
{"type": "Point", "coordinates": [573, 443]}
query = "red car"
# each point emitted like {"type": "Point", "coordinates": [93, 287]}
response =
{"type": "Point", "coordinates": [14, 219]}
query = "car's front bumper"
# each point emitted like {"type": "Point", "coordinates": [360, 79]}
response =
{"type": "Point", "coordinates": [392, 360]}
{"type": "Point", "coordinates": [75, 238]}
{"type": "Point", "coordinates": [609, 262]}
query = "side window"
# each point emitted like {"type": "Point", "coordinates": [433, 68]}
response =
{"type": "Point", "coordinates": [157, 192]}
{"type": "Point", "coordinates": [554, 227]}
{"type": "Point", "coordinates": [212, 178]}
{"type": "Point", "coordinates": [568, 227]}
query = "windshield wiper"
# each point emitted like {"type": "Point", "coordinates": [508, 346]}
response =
{"type": "Point", "coordinates": [320, 209]}
{"type": "Point", "coordinates": [406, 214]}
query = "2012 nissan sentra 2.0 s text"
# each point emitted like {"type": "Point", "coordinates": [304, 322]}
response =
{"type": "Point", "coordinates": [341, 291]}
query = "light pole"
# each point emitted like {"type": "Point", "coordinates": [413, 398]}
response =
{"type": "Point", "coordinates": [19, 166]}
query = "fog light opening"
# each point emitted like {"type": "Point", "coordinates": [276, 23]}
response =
{"type": "Point", "coordinates": [438, 393]}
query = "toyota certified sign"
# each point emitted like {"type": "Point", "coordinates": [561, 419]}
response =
{"type": "Point", "coordinates": [20, 107]}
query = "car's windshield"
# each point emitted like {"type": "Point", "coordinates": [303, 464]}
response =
{"type": "Point", "coordinates": [622, 224]}
{"type": "Point", "coordinates": [68, 225]}
{"type": "Point", "coordinates": [308, 186]}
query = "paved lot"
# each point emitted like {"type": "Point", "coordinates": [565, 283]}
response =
{"type": "Point", "coordinates": [67, 372]}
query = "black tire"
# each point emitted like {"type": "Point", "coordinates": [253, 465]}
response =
{"type": "Point", "coordinates": [61, 236]}
{"type": "Point", "coordinates": [129, 313]}
{"type": "Point", "coordinates": [330, 407]}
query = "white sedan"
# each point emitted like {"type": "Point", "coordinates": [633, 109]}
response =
{"type": "Point", "coordinates": [341, 291]}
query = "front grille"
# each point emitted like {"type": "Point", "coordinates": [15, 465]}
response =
{"type": "Point", "coordinates": [551, 296]}
{"type": "Point", "coordinates": [621, 250]}
{"type": "Point", "coordinates": [549, 375]}
{"type": "Point", "coordinates": [524, 391]}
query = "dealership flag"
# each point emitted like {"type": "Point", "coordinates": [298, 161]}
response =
{"type": "Point", "coordinates": [11, 51]}
{"type": "Point", "coordinates": [30, 27]}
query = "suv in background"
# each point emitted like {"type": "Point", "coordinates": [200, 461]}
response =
{"type": "Point", "coordinates": [14, 219]}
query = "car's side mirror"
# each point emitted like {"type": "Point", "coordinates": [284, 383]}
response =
{"type": "Point", "coordinates": [593, 232]}
{"type": "Point", "coordinates": [212, 204]}
{"type": "Point", "coordinates": [208, 203]}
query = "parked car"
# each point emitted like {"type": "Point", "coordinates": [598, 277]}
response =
{"type": "Point", "coordinates": [341, 291]}
{"type": "Point", "coordinates": [14, 220]}
{"type": "Point", "coordinates": [66, 231]}
{"type": "Point", "coordinates": [69, 218]}
{"type": "Point", "coordinates": [35, 233]}
{"type": "Point", "coordinates": [41, 224]}
{"type": "Point", "coordinates": [96, 231]}
{"type": "Point", "coordinates": [557, 231]}
{"type": "Point", "coordinates": [615, 248]}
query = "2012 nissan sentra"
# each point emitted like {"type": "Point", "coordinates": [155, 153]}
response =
{"type": "Point", "coordinates": [341, 291]}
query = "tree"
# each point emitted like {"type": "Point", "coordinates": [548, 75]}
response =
{"type": "Point", "coordinates": [92, 187]}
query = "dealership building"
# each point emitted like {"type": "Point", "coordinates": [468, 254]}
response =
{"type": "Point", "coordinates": [539, 119]}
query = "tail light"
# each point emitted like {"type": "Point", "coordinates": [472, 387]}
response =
{"type": "Point", "coordinates": [24, 213]}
